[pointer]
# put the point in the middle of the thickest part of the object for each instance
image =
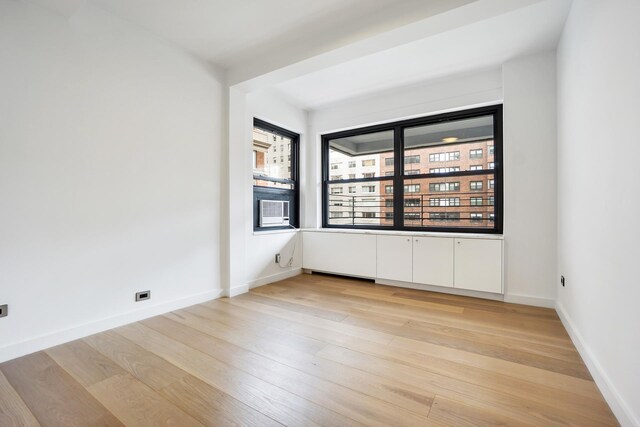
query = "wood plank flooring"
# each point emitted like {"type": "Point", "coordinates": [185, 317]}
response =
{"type": "Point", "coordinates": [314, 350]}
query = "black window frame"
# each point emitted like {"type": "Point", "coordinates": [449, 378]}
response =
{"type": "Point", "coordinates": [397, 179]}
{"type": "Point", "coordinates": [292, 195]}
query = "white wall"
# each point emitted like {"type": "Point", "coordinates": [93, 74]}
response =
{"type": "Point", "coordinates": [598, 174]}
{"type": "Point", "coordinates": [109, 182]}
{"type": "Point", "coordinates": [253, 253]}
{"type": "Point", "coordinates": [529, 86]}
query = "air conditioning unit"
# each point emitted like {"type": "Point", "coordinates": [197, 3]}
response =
{"type": "Point", "coordinates": [274, 213]}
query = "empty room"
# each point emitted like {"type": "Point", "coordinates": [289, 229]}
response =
{"type": "Point", "coordinates": [319, 213]}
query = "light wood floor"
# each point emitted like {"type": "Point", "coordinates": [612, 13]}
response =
{"type": "Point", "coordinates": [314, 350]}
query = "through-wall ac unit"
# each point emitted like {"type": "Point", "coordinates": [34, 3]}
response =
{"type": "Point", "coordinates": [274, 213]}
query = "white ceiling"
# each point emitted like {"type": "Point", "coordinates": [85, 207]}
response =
{"type": "Point", "coordinates": [231, 32]}
{"type": "Point", "coordinates": [483, 44]}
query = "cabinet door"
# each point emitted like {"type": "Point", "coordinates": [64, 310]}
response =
{"type": "Point", "coordinates": [395, 258]}
{"type": "Point", "coordinates": [478, 265]}
{"type": "Point", "coordinates": [433, 261]}
{"type": "Point", "coordinates": [341, 253]}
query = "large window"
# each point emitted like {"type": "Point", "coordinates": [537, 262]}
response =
{"type": "Point", "coordinates": [275, 169]}
{"type": "Point", "coordinates": [437, 173]}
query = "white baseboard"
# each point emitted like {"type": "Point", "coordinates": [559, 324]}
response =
{"type": "Point", "coordinates": [529, 300]}
{"type": "Point", "coordinates": [441, 289]}
{"type": "Point", "coordinates": [620, 408]}
{"type": "Point", "coordinates": [60, 337]}
{"type": "Point", "coordinates": [274, 278]}
{"type": "Point", "coordinates": [236, 291]}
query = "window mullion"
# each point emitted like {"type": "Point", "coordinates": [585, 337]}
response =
{"type": "Point", "coordinates": [398, 178]}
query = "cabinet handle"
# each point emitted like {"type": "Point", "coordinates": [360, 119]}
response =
{"type": "Point", "coordinates": [408, 240]}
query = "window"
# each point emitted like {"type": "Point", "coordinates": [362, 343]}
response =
{"type": "Point", "coordinates": [444, 186]}
{"type": "Point", "coordinates": [444, 216]}
{"type": "Point", "coordinates": [476, 217]}
{"type": "Point", "coordinates": [336, 176]}
{"type": "Point", "coordinates": [275, 180]}
{"type": "Point", "coordinates": [475, 154]}
{"type": "Point", "coordinates": [464, 151]}
{"type": "Point", "coordinates": [335, 214]}
{"type": "Point", "coordinates": [352, 164]}
{"type": "Point", "coordinates": [352, 176]}
{"type": "Point", "coordinates": [333, 166]}
{"type": "Point", "coordinates": [411, 160]}
{"type": "Point", "coordinates": [352, 189]}
{"type": "Point", "coordinates": [337, 190]}
{"type": "Point", "coordinates": [444, 157]}
{"type": "Point", "coordinates": [368, 214]}
{"type": "Point", "coordinates": [445, 170]}
{"type": "Point", "coordinates": [449, 201]}
{"type": "Point", "coordinates": [368, 188]}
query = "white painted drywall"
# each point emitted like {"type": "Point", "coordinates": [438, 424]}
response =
{"type": "Point", "coordinates": [109, 175]}
{"type": "Point", "coordinates": [252, 254]}
{"type": "Point", "coordinates": [598, 175]}
{"type": "Point", "coordinates": [529, 86]}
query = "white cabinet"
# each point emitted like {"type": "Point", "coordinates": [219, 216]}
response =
{"type": "Point", "coordinates": [341, 253]}
{"type": "Point", "coordinates": [478, 265]}
{"type": "Point", "coordinates": [395, 258]}
{"type": "Point", "coordinates": [433, 261]}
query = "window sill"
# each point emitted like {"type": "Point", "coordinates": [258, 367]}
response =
{"type": "Point", "coordinates": [282, 231]}
{"type": "Point", "coordinates": [407, 233]}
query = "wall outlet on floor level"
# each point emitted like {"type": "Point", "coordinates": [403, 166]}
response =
{"type": "Point", "coordinates": [141, 296]}
{"type": "Point", "coordinates": [4, 310]}
{"type": "Point", "coordinates": [562, 281]}
{"type": "Point", "coordinates": [277, 258]}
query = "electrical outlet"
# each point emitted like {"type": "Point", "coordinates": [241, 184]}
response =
{"type": "Point", "coordinates": [144, 295]}
{"type": "Point", "coordinates": [4, 310]}
{"type": "Point", "coordinates": [277, 258]}
{"type": "Point", "coordinates": [562, 281]}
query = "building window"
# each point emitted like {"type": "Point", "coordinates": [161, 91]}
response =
{"type": "Point", "coordinates": [475, 185]}
{"type": "Point", "coordinates": [444, 186]}
{"type": "Point", "coordinates": [368, 214]}
{"type": "Point", "coordinates": [352, 189]}
{"type": "Point", "coordinates": [352, 164]}
{"type": "Point", "coordinates": [444, 216]}
{"type": "Point", "coordinates": [455, 144]}
{"type": "Point", "coordinates": [476, 217]}
{"type": "Point", "coordinates": [337, 190]}
{"type": "Point", "coordinates": [333, 166]}
{"type": "Point", "coordinates": [444, 157]}
{"type": "Point", "coordinates": [475, 154]}
{"type": "Point", "coordinates": [412, 160]}
{"type": "Point", "coordinates": [368, 188]}
{"type": "Point", "coordinates": [445, 170]}
{"type": "Point", "coordinates": [275, 180]}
